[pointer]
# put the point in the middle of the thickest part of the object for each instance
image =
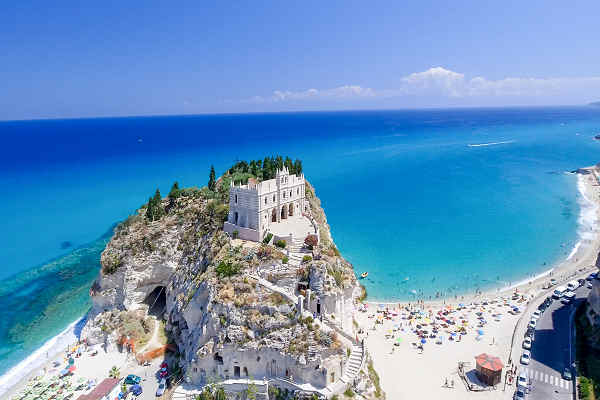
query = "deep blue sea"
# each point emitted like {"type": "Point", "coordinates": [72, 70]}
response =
{"type": "Point", "coordinates": [407, 198]}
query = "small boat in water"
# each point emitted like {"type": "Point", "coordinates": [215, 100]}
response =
{"type": "Point", "coordinates": [364, 275]}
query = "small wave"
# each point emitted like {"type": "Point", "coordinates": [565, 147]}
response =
{"type": "Point", "coordinates": [574, 251]}
{"type": "Point", "coordinates": [490, 144]}
{"type": "Point", "coordinates": [588, 216]}
{"type": "Point", "coordinates": [36, 359]}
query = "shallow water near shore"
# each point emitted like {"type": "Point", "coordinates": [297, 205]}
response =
{"type": "Point", "coordinates": [428, 202]}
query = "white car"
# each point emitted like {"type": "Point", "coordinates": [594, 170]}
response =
{"type": "Point", "coordinates": [532, 323]}
{"type": "Point", "coordinates": [522, 380]}
{"type": "Point", "coordinates": [526, 357]}
{"type": "Point", "coordinates": [589, 285]}
{"type": "Point", "coordinates": [527, 343]}
{"type": "Point", "coordinates": [536, 314]}
{"type": "Point", "coordinates": [162, 386]}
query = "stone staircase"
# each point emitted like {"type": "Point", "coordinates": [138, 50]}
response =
{"type": "Point", "coordinates": [297, 252]}
{"type": "Point", "coordinates": [353, 364]}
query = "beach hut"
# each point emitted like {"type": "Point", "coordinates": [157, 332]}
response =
{"type": "Point", "coordinates": [489, 368]}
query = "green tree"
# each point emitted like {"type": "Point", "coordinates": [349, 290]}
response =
{"type": "Point", "coordinates": [155, 209]}
{"type": "Point", "coordinates": [297, 167]}
{"type": "Point", "coordinates": [175, 191]}
{"type": "Point", "coordinates": [212, 182]}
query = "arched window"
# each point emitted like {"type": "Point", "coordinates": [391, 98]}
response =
{"type": "Point", "coordinates": [298, 191]}
{"type": "Point", "coordinates": [265, 199]}
{"type": "Point", "coordinates": [273, 198]}
{"type": "Point", "coordinates": [236, 199]}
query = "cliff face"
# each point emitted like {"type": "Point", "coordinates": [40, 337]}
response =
{"type": "Point", "coordinates": [232, 307]}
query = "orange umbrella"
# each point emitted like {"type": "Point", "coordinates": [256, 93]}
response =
{"type": "Point", "coordinates": [489, 362]}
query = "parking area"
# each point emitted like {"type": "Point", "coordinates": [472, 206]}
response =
{"type": "Point", "coordinates": [544, 347]}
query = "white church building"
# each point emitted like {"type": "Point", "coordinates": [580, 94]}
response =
{"type": "Point", "coordinates": [269, 206]}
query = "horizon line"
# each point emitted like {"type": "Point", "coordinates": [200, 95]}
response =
{"type": "Point", "coordinates": [591, 105]}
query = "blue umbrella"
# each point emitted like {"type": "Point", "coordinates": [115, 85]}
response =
{"type": "Point", "coordinates": [136, 389]}
{"type": "Point", "coordinates": [423, 341]}
{"type": "Point", "coordinates": [480, 331]}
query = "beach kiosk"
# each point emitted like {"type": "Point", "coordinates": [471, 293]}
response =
{"type": "Point", "coordinates": [489, 369]}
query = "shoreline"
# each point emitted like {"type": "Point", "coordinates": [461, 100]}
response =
{"type": "Point", "coordinates": [31, 366]}
{"type": "Point", "coordinates": [586, 247]}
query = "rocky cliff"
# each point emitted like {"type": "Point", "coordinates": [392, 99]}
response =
{"type": "Point", "coordinates": [233, 308]}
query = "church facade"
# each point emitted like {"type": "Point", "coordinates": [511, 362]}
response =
{"type": "Point", "coordinates": [256, 206]}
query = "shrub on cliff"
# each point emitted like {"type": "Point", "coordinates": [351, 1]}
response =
{"type": "Point", "coordinates": [111, 265]}
{"type": "Point", "coordinates": [306, 259]}
{"type": "Point", "coordinates": [280, 244]}
{"type": "Point", "coordinates": [226, 269]}
{"type": "Point", "coordinates": [268, 238]}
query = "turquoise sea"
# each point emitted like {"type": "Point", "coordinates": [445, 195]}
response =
{"type": "Point", "coordinates": [408, 197]}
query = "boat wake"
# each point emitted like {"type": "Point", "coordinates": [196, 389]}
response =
{"type": "Point", "coordinates": [491, 143]}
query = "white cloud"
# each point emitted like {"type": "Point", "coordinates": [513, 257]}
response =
{"type": "Point", "coordinates": [438, 82]}
{"type": "Point", "coordinates": [443, 82]}
{"type": "Point", "coordinates": [342, 92]}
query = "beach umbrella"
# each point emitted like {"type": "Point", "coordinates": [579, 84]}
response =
{"type": "Point", "coordinates": [399, 340]}
{"type": "Point", "coordinates": [423, 341]}
{"type": "Point", "coordinates": [480, 332]}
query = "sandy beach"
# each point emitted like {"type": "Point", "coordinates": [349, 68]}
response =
{"type": "Point", "coordinates": [407, 372]}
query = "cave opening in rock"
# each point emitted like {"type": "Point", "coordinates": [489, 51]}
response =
{"type": "Point", "coordinates": [156, 301]}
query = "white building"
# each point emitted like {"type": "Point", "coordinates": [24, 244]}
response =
{"type": "Point", "coordinates": [256, 207]}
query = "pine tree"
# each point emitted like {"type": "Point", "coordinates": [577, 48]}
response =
{"type": "Point", "coordinates": [174, 193]}
{"type": "Point", "coordinates": [150, 209]}
{"type": "Point", "coordinates": [297, 167]}
{"type": "Point", "coordinates": [155, 210]}
{"type": "Point", "coordinates": [212, 183]}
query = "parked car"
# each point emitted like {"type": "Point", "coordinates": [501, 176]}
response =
{"type": "Point", "coordinates": [568, 297]}
{"type": "Point", "coordinates": [530, 334]}
{"type": "Point", "coordinates": [527, 343]}
{"type": "Point", "coordinates": [162, 386]}
{"type": "Point", "coordinates": [581, 281]}
{"type": "Point", "coordinates": [132, 379]}
{"type": "Point", "coordinates": [519, 394]}
{"type": "Point", "coordinates": [536, 314]}
{"type": "Point", "coordinates": [525, 357]}
{"type": "Point", "coordinates": [532, 323]}
{"type": "Point", "coordinates": [567, 374]}
{"type": "Point", "coordinates": [522, 380]}
{"type": "Point", "coordinates": [589, 285]}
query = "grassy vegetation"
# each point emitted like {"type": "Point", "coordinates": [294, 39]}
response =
{"type": "Point", "coordinates": [363, 294]}
{"type": "Point", "coordinates": [227, 269]}
{"type": "Point", "coordinates": [588, 358]}
{"type": "Point", "coordinates": [375, 379]}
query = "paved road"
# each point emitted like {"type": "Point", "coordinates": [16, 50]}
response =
{"type": "Point", "coordinates": [552, 351]}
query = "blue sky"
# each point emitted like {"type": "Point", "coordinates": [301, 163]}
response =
{"type": "Point", "coordinates": [59, 59]}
